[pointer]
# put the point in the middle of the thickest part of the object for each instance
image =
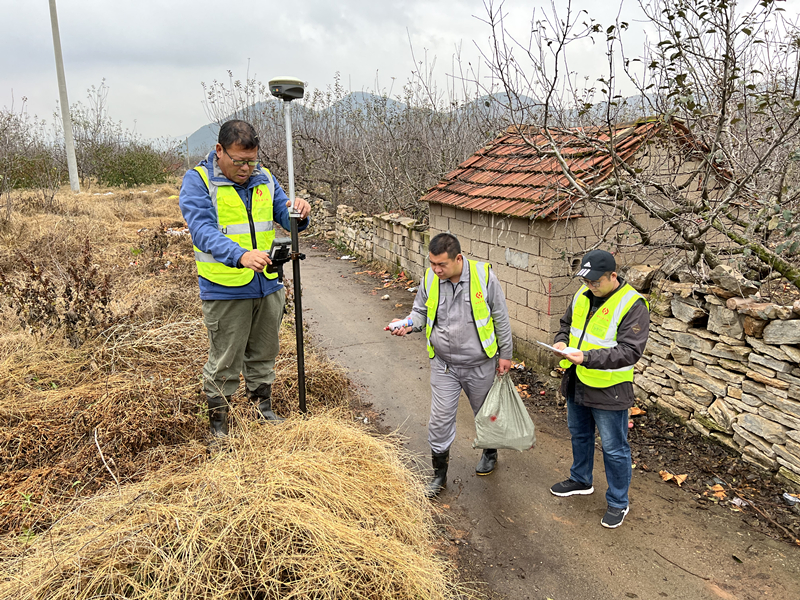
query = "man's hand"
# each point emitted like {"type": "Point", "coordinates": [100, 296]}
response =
{"type": "Point", "coordinates": [256, 260]}
{"type": "Point", "coordinates": [575, 358]}
{"type": "Point", "coordinates": [401, 331]}
{"type": "Point", "coordinates": [503, 366]}
{"type": "Point", "coordinates": [301, 206]}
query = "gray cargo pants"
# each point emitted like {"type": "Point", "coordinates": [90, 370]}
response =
{"type": "Point", "coordinates": [446, 385]}
{"type": "Point", "coordinates": [242, 338]}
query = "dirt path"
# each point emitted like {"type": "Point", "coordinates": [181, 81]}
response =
{"type": "Point", "coordinates": [518, 538]}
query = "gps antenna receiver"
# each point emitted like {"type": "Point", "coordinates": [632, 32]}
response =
{"type": "Point", "coordinates": [286, 88]}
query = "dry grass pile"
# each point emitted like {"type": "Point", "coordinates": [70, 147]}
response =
{"type": "Point", "coordinates": [130, 398]}
{"type": "Point", "coordinates": [312, 508]}
{"type": "Point", "coordinates": [126, 400]}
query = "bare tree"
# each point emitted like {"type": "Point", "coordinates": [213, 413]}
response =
{"type": "Point", "coordinates": [376, 150]}
{"type": "Point", "coordinates": [720, 79]}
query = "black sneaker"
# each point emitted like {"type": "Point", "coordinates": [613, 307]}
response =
{"type": "Point", "coordinates": [571, 488]}
{"type": "Point", "coordinates": [614, 517]}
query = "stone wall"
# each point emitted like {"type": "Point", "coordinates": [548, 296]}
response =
{"type": "Point", "coordinates": [398, 242]}
{"type": "Point", "coordinates": [729, 367]}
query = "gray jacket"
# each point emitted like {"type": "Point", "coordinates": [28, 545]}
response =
{"type": "Point", "coordinates": [454, 336]}
{"type": "Point", "coordinates": [631, 339]}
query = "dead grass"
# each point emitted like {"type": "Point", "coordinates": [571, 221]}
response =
{"type": "Point", "coordinates": [313, 508]}
{"type": "Point", "coordinates": [110, 485]}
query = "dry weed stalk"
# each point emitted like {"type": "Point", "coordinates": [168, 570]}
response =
{"type": "Point", "coordinates": [313, 508]}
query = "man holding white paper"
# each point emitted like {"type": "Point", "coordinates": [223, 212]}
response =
{"type": "Point", "coordinates": [606, 327]}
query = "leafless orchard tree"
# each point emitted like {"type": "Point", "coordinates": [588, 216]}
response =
{"type": "Point", "coordinates": [375, 150]}
{"type": "Point", "coordinates": [721, 77]}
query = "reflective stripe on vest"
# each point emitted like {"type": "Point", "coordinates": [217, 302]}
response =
{"type": "Point", "coordinates": [601, 332]}
{"type": "Point", "coordinates": [234, 223]}
{"type": "Point", "coordinates": [478, 286]}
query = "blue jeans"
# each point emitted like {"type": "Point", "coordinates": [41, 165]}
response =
{"type": "Point", "coordinates": [613, 428]}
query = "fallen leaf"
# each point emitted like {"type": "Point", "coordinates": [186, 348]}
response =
{"type": "Point", "coordinates": [398, 305]}
{"type": "Point", "coordinates": [667, 476]}
{"type": "Point", "coordinates": [635, 411]}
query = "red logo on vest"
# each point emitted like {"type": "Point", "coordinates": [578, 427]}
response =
{"type": "Point", "coordinates": [479, 295]}
{"type": "Point", "coordinates": [259, 192]}
{"type": "Point", "coordinates": [605, 311]}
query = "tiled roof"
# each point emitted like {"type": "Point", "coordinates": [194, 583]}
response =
{"type": "Point", "coordinates": [512, 176]}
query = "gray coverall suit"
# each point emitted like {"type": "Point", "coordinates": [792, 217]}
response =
{"type": "Point", "coordinates": [460, 361]}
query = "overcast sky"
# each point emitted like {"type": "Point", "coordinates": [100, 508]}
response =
{"type": "Point", "coordinates": [154, 54]}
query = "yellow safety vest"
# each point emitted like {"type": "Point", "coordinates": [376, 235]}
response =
{"type": "Point", "coordinates": [253, 230]}
{"type": "Point", "coordinates": [478, 284]}
{"type": "Point", "coordinates": [601, 332]}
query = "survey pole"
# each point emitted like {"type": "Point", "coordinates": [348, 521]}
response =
{"type": "Point", "coordinates": [288, 89]}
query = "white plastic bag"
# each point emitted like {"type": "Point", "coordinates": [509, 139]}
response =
{"type": "Point", "coordinates": [503, 421]}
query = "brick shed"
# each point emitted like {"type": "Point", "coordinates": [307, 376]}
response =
{"type": "Point", "coordinates": [511, 203]}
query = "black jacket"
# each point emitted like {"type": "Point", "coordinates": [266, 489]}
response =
{"type": "Point", "coordinates": [631, 339]}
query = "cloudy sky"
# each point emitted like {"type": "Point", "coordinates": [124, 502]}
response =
{"type": "Point", "coordinates": [154, 54]}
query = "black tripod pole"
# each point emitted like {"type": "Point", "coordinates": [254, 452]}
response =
{"type": "Point", "coordinates": [298, 316]}
{"type": "Point", "coordinates": [288, 89]}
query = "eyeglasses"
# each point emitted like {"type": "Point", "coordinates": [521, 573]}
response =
{"type": "Point", "coordinates": [589, 283]}
{"type": "Point", "coordinates": [241, 163]}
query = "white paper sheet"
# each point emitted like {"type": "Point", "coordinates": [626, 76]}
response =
{"type": "Point", "coordinates": [566, 350]}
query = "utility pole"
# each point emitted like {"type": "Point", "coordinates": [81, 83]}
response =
{"type": "Point", "coordinates": [66, 120]}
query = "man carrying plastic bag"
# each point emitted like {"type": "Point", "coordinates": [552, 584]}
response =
{"type": "Point", "coordinates": [462, 310]}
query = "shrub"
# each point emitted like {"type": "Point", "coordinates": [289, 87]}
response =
{"type": "Point", "coordinates": [78, 304]}
{"type": "Point", "coordinates": [133, 165]}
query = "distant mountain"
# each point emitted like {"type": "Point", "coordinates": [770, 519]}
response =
{"type": "Point", "coordinates": [201, 141]}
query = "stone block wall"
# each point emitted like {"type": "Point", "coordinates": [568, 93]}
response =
{"type": "Point", "coordinates": [398, 242]}
{"type": "Point", "coordinates": [730, 369]}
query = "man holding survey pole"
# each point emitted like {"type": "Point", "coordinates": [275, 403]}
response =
{"type": "Point", "coordinates": [603, 333]}
{"type": "Point", "coordinates": [231, 204]}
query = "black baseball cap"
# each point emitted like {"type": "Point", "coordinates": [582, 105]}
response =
{"type": "Point", "coordinates": [595, 263]}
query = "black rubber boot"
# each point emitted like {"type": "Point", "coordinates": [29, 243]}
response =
{"type": "Point", "coordinates": [218, 416]}
{"type": "Point", "coordinates": [487, 463]}
{"type": "Point", "coordinates": [262, 396]}
{"type": "Point", "coordinates": [439, 481]}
